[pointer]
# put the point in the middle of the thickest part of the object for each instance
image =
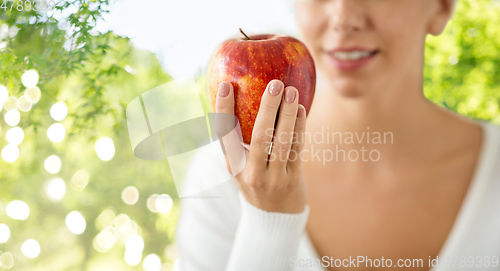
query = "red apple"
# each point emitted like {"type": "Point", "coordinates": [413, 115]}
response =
{"type": "Point", "coordinates": [250, 63]}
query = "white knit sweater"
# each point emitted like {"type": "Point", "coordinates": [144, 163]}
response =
{"type": "Point", "coordinates": [222, 231]}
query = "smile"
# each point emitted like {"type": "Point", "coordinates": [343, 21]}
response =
{"type": "Point", "coordinates": [351, 59]}
{"type": "Point", "coordinates": [354, 55]}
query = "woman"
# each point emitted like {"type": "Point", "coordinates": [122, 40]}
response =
{"type": "Point", "coordinates": [431, 190]}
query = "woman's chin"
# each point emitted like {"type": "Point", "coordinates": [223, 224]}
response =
{"type": "Point", "coordinates": [348, 85]}
{"type": "Point", "coordinates": [349, 88]}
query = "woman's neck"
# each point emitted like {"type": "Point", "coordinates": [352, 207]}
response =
{"type": "Point", "coordinates": [412, 123]}
{"type": "Point", "coordinates": [388, 107]}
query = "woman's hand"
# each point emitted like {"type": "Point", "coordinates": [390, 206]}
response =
{"type": "Point", "coordinates": [272, 181]}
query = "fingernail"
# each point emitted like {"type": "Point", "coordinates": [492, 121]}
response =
{"type": "Point", "coordinates": [275, 88]}
{"type": "Point", "coordinates": [301, 112]}
{"type": "Point", "coordinates": [289, 95]}
{"type": "Point", "coordinates": [223, 89]}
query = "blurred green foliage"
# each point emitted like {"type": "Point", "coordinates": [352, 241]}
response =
{"type": "Point", "coordinates": [86, 69]}
{"type": "Point", "coordinates": [470, 87]}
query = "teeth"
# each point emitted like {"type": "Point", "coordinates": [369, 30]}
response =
{"type": "Point", "coordinates": [355, 55]}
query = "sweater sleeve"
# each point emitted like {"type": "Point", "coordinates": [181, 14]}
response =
{"type": "Point", "coordinates": [219, 230]}
{"type": "Point", "coordinates": [265, 240]}
{"type": "Point", "coordinates": [211, 238]}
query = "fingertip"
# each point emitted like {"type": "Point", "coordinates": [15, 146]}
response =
{"type": "Point", "coordinates": [275, 81]}
{"type": "Point", "coordinates": [225, 98]}
{"type": "Point", "coordinates": [230, 86]}
{"type": "Point", "coordinates": [301, 112]}
{"type": "Point", "coordinates": [291, 95]}
{"type": "Point", "coordinates": [225, 89]}
{"type": "Point", "coordinates": [275, 87]}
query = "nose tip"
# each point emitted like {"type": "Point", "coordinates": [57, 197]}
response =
{"type": "Point", "coordinates": [346, 23]}
{"type": "Point", "coordinates": [347, 16]}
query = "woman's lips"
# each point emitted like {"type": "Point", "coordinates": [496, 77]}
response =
{"type": "Point", "coordinates": [350, 59]}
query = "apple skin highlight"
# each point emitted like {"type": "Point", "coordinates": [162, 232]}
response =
{"type": "Point", "coordinates": [249, 65]}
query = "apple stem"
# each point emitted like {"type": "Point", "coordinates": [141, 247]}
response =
{"type": "Point", "coordinates": [244, 34]}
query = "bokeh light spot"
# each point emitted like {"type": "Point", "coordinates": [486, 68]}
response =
{"type": "Point", "coordinates": [152, 263]}
{"type": "Point", "coordinates": [105, 148]}
{"type": "Point", "coordinates": [10, 153]}
{"type": "Point", "coordinates": [130, 195]}
{"type": "Point", "coordinates": [56, 188]}
{"type": "Point", "coordinates": [15, 135]}
{"type": "Point", "coordinates": [122, 222]}
{"type": "Point", "coordinates": [129, 69]}
{"type": "Point", "coordinates": [134, 242]}
{"type": "Point", "coordinates": [30, 78]}
{"type": "Point", "coordinates": [56, 132]}
{"type": "Point", "coordinates": [34, 93]}
{"type": "Point", "coordinates": [30, 248]}
{"type": "Point", "coordinates": [17, 209]}
{"type": "Point", "coordinates": [105, 219]}
{"type": "Point", "coordinates": [453, 59]}
{"type": "Point", "coordinates": [105, 239]}
{"type": "Point", "coordinates": [24, 103]}
{"type": "Point", "coordinates": [13, 31]}
{"type": "Point", "coordinates": [472, 32]}
{"type": "Point", "coordinates": [10, 103]}
{"type": "Point", "coordinates": [7, 260]}
{"type": "Point", "coordinates": [133, 257]}
{"type": "Point", "coordinates": [4, 233]}
{"type": "Point", "coordinates": [151, 203]}
{"type": "Point", "coordinates": [59, 111]}
{"type": "Point", "coordinates": [53, 164]}
{"type": "Point", "coordinates": [164, 203]}
{"type": "Point", "coordinates": [127, 231]}
{"type": "Point", "coordinates": [12, 117]}
{"type": "Point", "coordinates": [79, 180]}
{"type": "Point", "coordinates": [76, 222]}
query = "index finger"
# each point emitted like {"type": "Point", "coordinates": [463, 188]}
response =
{"type": "Point", "coordinates": [263, 130]}
{"type": "Point", "coordinates": [228, 130]}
